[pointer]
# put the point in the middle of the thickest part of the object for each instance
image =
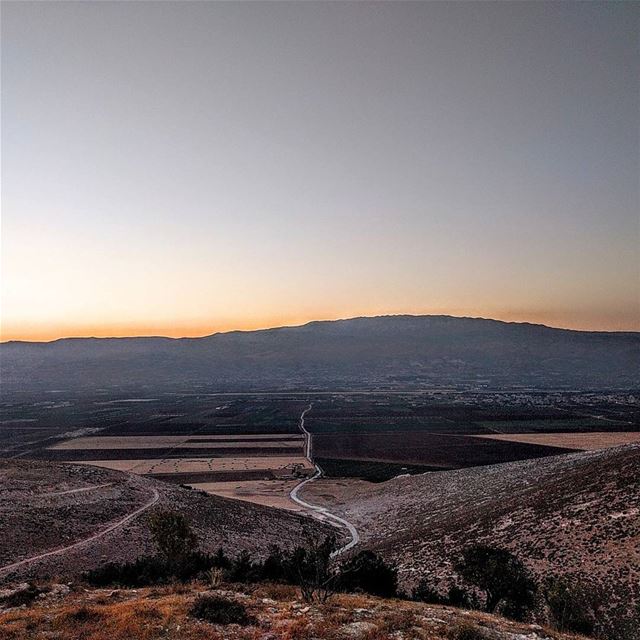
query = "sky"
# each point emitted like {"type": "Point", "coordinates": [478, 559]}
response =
{"type": "Point", "coordinates": [181, 168]}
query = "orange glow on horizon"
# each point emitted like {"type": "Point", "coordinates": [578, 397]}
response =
{"type": "Point", "coordinates": [35, 333]}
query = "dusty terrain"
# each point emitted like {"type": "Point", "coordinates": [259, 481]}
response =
{"type": "Point", "coordinates": [583, 441]}
{"type": "Point", "coordinates": [573, 514]}
{"type": "Point", "coordinates": [152, 614]}
{"type": "Point", "coordinates": [272, 493]}
{"type": "Point", "coordinates": [45, 507]}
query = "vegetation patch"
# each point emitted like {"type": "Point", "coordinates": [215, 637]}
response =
{"type": "Point", "coordinates": [218, 610]}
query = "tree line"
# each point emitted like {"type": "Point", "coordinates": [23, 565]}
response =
{"type": "Point", "coordinates": [490, 579]}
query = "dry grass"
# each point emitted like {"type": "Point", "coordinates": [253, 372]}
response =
{"type": "Point", "coordinates": [154, 614]}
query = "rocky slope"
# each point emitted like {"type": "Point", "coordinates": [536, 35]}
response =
{"type": "Point", "coordinates": [47, 506]}
{"type": "Point", "coordinates": [575, 515]}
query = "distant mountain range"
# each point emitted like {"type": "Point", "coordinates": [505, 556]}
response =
{"type": "Point", "coordinates": [379, 352]}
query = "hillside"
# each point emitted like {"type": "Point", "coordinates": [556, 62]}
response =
{"type": "Point", "coordinates": [575, 514]}
{"type": "Point", "coordinates": [277, 614]}
{"type": "Point", "coordinates": [46, 506]}
{"type": "Point", "coordinates": [361, 352]}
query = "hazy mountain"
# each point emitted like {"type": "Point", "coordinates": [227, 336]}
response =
{"type": "Point", "coordinates": [363, 352]}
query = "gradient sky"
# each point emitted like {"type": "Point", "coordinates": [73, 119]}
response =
{"type": "Point", "coordinates": [179, 168]}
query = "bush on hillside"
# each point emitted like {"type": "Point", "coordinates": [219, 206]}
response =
{"type": "Point", "coordinates": [217, 610]}
{"type": "Point", "coordinates": [150, 570]}
{"type": "Point", "coordinates": [369, 573]}
{"type": "Point", "coordinates": [456, 596]}
{"type": "Point", "coordinates": [312, 569]}
{"type": "Point", "coordinates": [172, 535]}
{"type": "Point", "coordinates": [503, 578]}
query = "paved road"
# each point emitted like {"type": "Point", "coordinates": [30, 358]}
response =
{"type": "Point", "coordinates": [85, 541]}
{"type": "Point", "coordinates": [324, 513]}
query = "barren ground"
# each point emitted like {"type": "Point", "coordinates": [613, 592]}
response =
{"type": "Point", "coordinates": [41, 510]}
{"type": "Point", "coordinates": [583, 441]}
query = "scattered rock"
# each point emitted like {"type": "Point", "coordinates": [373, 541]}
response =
{"type": "Point", "coordinates": [357, 629]}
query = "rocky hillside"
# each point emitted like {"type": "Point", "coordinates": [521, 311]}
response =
{"type": "Point", "coordinates": [275, 613]}
{"type": "Point", "coordinates": [575, 515]}
{"type": "Point", "coordinates": [93, 515]}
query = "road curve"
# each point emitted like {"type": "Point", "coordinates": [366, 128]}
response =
{"type": "Point", "coordinates": [337, 520]}
{"type": "Point", "coordinates": [76, 545]}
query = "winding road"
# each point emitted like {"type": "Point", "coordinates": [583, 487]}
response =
{"type": "Point", "coordinates": [323, 511]}
{"type": "Point", "coordinates": [112, 526]}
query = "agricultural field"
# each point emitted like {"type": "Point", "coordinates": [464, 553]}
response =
{"type": "Point", "coordinates": [380, 437]}
{"type": "Point", "coordinates": [249, 446]}
{"type": "Point", "coordinates": [579, 441]}
{"type": "Point", "coordinates": [201, 441]}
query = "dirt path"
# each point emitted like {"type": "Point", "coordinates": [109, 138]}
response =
{"type": "Point", "coordinates": [68, 491]}
{"type": "Point", "coordinates": [323, 512]}
{"type": "Point", "coordinates": [85, 541]}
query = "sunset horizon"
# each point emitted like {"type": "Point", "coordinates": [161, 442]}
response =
{"type": "Point", "coordinates": [437, 158]}
{"type": "Point", "coordinates": [202, 331]}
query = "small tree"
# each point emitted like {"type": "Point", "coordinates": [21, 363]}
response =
{"type": "Point", "coordinates": [502, 577]}
{"type": "Point", "coordinates": [243, 568]}
{"type": "Point", "coordinates": [273, 568]}
{"type": "Point", "coordinates": [369, 573]}
{"type": "Point", "coordinates": [312, 569]}
{"type": "Point", "coordinates": [220, 560]}
{"type": "Point", "coordinates": [172, 535]}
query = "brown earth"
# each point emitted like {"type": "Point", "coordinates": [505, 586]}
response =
{"type": "Point", "coordinates": [583, 441]}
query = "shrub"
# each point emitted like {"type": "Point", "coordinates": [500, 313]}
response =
{"type": "Point", "coordinates": [461, 598]}
{"type": "Point", "coordinates": [572, 607]}
{"type": "Point", "coordinates": [424, 592]}
{"type": "Point", "coordinates": [172, 535]}
{"type": "Point", "coordinates": [311, 568]}
{"type": "Point", "coordinates": [369, 573]}
{"type": "Point", "coordinates": [274, 568]}
{"type": "Point", "coordinates": [456, 596]}
{"type": "Point", "coordinates": [150, 570]}
{"type": "Point", "coordinates": [220, 560]}
{"type": "Point", "coordinates": [243, 569]}
{"type": "Point", "coordinates": [217, 610]}
{"type": "Point", "coordinates": [502, 577]}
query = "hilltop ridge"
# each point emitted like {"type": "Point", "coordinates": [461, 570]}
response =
{"type": "Point", "coordinates": [382, 352]}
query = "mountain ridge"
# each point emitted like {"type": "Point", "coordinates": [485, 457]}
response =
{"type": "Point", "coordinates": [311, 323]}
{"type": "Point", "coordinates": [367, 352]}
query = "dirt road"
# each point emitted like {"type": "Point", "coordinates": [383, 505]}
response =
{"type": "Point", "coordinates": [322, 512]}
{"type": "Point", "coordinates": [112, 526]}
